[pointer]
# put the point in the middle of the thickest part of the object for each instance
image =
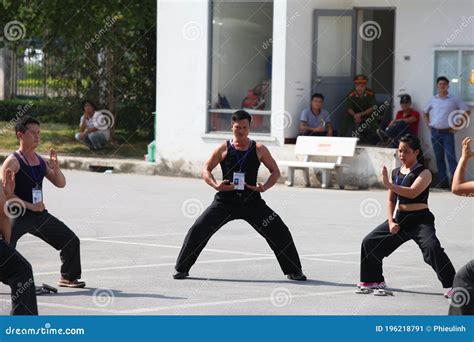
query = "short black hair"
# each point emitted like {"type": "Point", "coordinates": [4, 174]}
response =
{"type": "Point", "coordinates": [89, 102]}
{"type": "Point", "coordinates": [241, 115]}
{"type": "Point", "coordinates": [317, 95]}
{"type": "Point", "coordinates": [21, 125]}
{"type": "Point", "coordinates": [442, 78]}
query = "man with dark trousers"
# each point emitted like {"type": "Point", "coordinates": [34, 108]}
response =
{"type": "Point", "coordinates": [30, 169]}
{"type": "Point", "coordinates": [238, 197]}
{"type": "Point", "coordinates": [440, 115]}
{"type": "Point", "coordinates": [15, 270]}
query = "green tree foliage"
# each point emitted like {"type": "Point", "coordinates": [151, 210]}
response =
{"type": "Point", "coordinates": [103, 50]}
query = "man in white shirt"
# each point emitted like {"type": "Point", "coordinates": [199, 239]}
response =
{"type": "Point", "coordinates": [437, 115]}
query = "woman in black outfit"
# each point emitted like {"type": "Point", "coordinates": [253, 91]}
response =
{"type": "Point", "coordinates": [409, 186]}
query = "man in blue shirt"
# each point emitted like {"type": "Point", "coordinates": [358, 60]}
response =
{"type": "Point", "coordinates": [439, 114]}
{"type": "Point", "coordinates": [315, 120]}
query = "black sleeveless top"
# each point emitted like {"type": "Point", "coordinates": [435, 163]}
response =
{"type": "Point", "coordinates": [240, 161]}
{"type": "Point", "coordinates": [407, 180]}
{"type": "Point", "coordinates": [28, 178]}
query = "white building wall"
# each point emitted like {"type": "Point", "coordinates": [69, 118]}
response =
{"type": "Point", "coordinates": [182, 69]}
{"type": "Point", "coordinates": [420, 26]}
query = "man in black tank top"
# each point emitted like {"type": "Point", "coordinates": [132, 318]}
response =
{"type": "Point", "coordinates": [30, 169]}
{"type": "Point", "coordinates": [15, 270]}
{"type": "Point", "coordinates": [238, 197]}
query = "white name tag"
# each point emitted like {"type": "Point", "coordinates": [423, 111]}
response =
{"type": "Point", "coordinates": [37, 195]}
{"type": "Point", "coordinates": [239, 180]}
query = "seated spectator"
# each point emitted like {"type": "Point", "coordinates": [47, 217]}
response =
{"type": "Point", "coordinates": [315, 120]}
{"type": "Point", "coordinates": [406, 121]}
{"type": "Point", "coordinates": [360, 120]}
{"type": "Point", "coordinates": [90, 134]}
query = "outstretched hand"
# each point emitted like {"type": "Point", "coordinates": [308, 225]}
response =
{"type": "Point", "coordinates": [385, 179]}
{"type": "Point", "coordinates": [53, 159]}
{"type": "Point", "coordinates": [9, 182]}
{"type": "Point", "coordinates": [466, 148]}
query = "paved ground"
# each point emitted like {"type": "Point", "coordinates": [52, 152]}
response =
{"type": "Point", "coordinates": [132, 227]}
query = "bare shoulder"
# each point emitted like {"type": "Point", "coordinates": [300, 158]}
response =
{"type": "Point", "coordinates": [220, 152]}
{"type": "Point", "coordinates": [12, 163]}
{"type": "Point", "coordinates": [262, 150]}
{"type": "Point", "coordinates": [222, 147]}
{"type": "Point", "coordinates": [260, 147]}
{"type": "Point", "coordinates": [426, 173]}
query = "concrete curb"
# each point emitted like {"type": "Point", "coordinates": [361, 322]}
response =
{"type": "Point", "coordinates": [118, 165]}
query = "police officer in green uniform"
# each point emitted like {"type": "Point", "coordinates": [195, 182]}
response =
{"type": "Point", "coordinates": [358, 121]}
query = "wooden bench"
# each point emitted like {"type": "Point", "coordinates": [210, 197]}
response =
{"type": "Point", "coordinates": [311, 148]}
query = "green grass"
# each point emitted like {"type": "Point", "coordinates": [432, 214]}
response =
{"type": "Point", "coordinates": [61, 138]}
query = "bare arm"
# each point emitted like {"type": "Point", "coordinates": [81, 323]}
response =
{"type": "Point", "coordinates": [266, 158]}
{"type": "Point", "coordinates": [460, 187]}
{"type": "Point", "coordinates": [418, 186]}
{"type": "Point", "coordinates": [390, 205]}
{"type": "Point", "coordinates": [82, 125]}
{"type": "Point", "coordinates": [330, 129]}
{"type": "Point", "coordinates": [53, 172]}
{"type": "Point", "coordinates": [211, 163]}
{"type": "Point", "coordinates": [11, 165]}
{"type": "Point", "coordinates": [409, 120]}
{"type": "Point", "coordinates": [5, 227]}
{"type": "Point", "coordinates": [304, 127]}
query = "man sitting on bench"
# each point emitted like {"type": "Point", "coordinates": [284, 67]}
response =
{"type": "Point", "coordinates": [315, 121]}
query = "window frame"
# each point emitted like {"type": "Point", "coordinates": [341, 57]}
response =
{"type": "Point", "coordinates": [459, 50]}
{"type": "Point", "coordinates": [209, 109]}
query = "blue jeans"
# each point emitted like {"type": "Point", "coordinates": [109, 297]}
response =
{"type": "Point", "coordinates": [443, 145]}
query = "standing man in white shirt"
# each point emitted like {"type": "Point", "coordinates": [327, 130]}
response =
{"type": "Point", "coordinates": [437, 115]}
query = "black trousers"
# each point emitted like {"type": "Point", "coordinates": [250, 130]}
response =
{"type": "Point", "coordinates": [263, 219]}
{"type": "Point", "coordinates": [16, 272]}
{"type": "Point", "coordinates": [417, 225]}
{"type": "Point", "coordinates": [55, 233]}
{"type": "Point", "coordinates": [462, 302]}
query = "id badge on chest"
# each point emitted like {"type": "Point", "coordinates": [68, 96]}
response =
{"type": "Point", "coordinates": [239, 180]}
{"type": "Point", "coordinates": [37, 195]}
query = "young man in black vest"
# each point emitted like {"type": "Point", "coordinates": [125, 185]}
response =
{"type": "Point", "coordinates": [30, 169]}
{"type": "Point", "coordinates": [238, 197]}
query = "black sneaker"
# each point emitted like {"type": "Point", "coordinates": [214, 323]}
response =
{"type": "Point", "coordinates": [180, 275]}
{"type": "Point", "coordinates": [297, 276]}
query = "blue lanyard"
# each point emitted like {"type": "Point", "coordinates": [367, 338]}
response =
{"type": "Point", "coordinates": [32, 170]}
{"type": "Point", "coordinates": [240, 160]}
{"type": "Point", "coordinates": [406, 176]}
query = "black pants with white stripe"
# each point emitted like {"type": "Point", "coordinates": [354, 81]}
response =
{"type": "Point", "coordinates": [55, 233]}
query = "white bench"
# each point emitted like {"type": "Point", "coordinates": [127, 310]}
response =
{"type": "Point", "coordinates": [313, 147]}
